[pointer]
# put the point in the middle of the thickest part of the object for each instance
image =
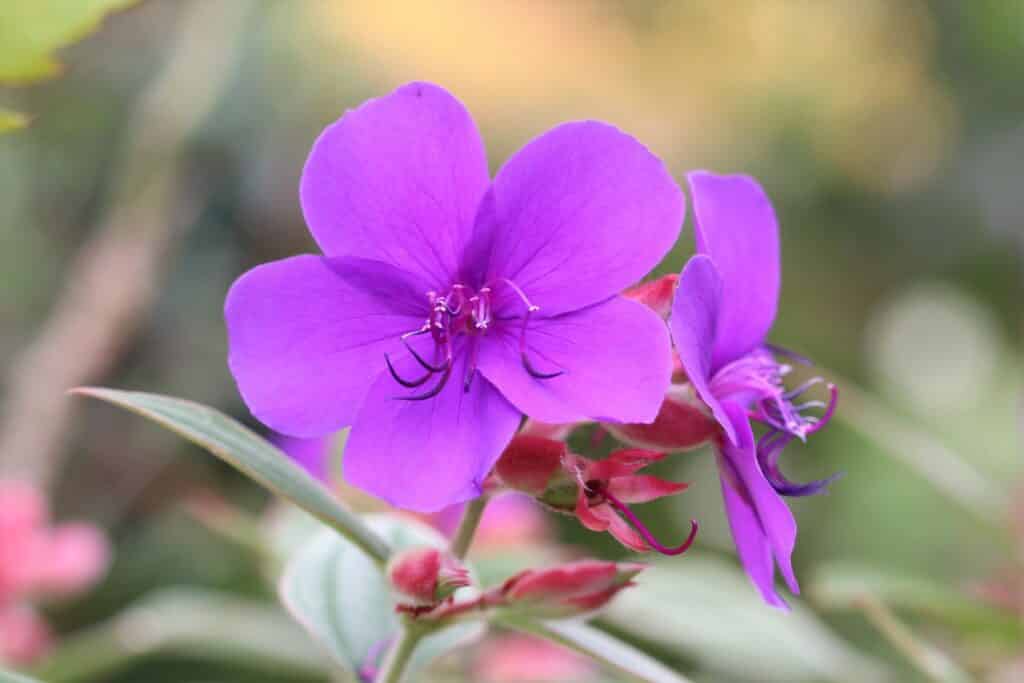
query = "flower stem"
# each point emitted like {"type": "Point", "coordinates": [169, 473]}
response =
{"type": "Point", "coordinates": [471, 516]}
{"type": "Point", "coordinates": [393, 669]}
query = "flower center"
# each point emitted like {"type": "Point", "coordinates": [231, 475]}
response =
{"type": "Point", "coordinates": [466, 312]}
{"type": "Point", "coordinates": [758, 379]}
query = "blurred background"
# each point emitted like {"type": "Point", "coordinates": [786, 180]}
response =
{"type": "Point", "coordinates": [164, 162]}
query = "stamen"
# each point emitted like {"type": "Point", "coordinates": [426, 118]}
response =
{"type": "Point", "coordinates": [404, 382]}
{"type": "Point", "coordinates": [623, 509]}
{"type": "Point", "coordinates": [826, 417]}
{"type": "Point", "coordinates": [769, 448]}
{"type": "Point", "coordinates": [435, 390]}
{"type": "Point", "coordinates": [530, 309]}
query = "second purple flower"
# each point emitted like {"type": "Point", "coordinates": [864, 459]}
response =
{"type": "Point", "coordinates": [447, 305]}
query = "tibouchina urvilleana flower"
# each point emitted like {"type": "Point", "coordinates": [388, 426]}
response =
{"type": "Point", "coordinates": [724, 306]}
{"type": "Point", "coordinates": [447, 305]}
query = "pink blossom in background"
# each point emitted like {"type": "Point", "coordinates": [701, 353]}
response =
{"type": "Point", "coordinates": [510, 519]}
{"type": "Point", "coordinates": [524, 659]}
{"type": "Point", "coordinates": [39, 562]}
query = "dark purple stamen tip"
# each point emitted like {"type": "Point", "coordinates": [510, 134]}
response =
{"type": "Point", "coordinates": [534, 372]}
{"type": "Point", "coordinates": [769, 448]}
{"type": "Point", "coordinates": [788, 353]}
{"type": "Point", "coordinates": [435, 390]}
{"type": "Point", "coordinates": [410, 384]}
{"type": "Point", "coordinates": [624, 510]}
{"type": "Point", "coordinates": [830, 410]}
{"type": "Point", "coordinates": [419, 359]}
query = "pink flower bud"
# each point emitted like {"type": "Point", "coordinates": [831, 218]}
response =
{"type": "Point", "coordinates": [24, 636]}
{"type": "Point", "coordinates": [682, 423]}
{"type": "Point", "coordinates": [531, 463]}
{"type": "Point", "coordinates": [568, 589]}
{"type": "Point", "coordinates": [656, 294]}
{"type": "Point", "coordinates": [426, 576]}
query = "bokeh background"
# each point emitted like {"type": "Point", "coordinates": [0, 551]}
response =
{"type": "Point", "coordinates": [165, 161]}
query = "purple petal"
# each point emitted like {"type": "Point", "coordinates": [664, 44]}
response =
{"type": "Point", "coordinates": [615, 356]}
{"type": "Point", "coordinates": [305, 341]}
{"type": "Point", "coordinates": [694, 321]}
{"type": "Point", "coordinates": [398, 180]}
{"type": "Point", "coordinates": [425, 455]}
{"type": "Point", "coordinates": [762, 525]}
{"type": "Point", "coordinates": [575, 217]}
{"type": "Point", "coordinates": [736, 227]}
{"type": "Point", "coordinates": [310, 454]}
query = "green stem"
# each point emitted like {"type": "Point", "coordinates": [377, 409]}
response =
{"type": "Point", "coordinates": [471, 516]}
{"type": "Point", "coordinates": [393, 669]}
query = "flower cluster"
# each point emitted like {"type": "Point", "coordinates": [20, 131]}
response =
{"type": "Point", "coordinates": [39, 562]}
{"type": "Point", "coordinates": [448, 305]}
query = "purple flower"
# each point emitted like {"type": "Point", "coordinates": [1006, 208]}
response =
{"type": "Point", "coordinates": [724, 306]}
{"type": "Point", "coordinates": [312, 455]}
{"type": "Point", "coordinates": [447, 304]}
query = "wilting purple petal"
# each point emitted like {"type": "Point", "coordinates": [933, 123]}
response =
{"type": "Point", "coordinates": [615, 357]}
{"type": "Point", "coordinates": [576, 216]}
{"type": "Point", "coordinates": [736, 227]}
{"type": "Point", "coordinates": [425, 455]}
{"type": "Point", "coordinates": [399, 180]}
{"type": "Point", "coordinates": [306, 343]}
{"type": "Point", "coordinates": [310, 454]}
{"type": "Point", "coordinates": [762, 525]}
{"type": "Point", "coordinates": [694, 322]}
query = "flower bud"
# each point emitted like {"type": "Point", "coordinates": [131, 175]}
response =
{"type": "Point", "coordinates": [569, 589]}
{"type": "Point", "coordinates": [536, 465]}
{"type": "Point", "coordinates": [656, 294]}
{"type": "Point", "coordinates": [682, 423]}
{"type": "Point", "coordinates": [426, 576]}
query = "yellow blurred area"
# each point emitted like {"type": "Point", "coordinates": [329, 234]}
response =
{"type": "Point", "coordinates": [853, 77]}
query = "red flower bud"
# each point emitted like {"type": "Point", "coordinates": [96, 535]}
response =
{"type": "Point", "coordinates": [568, 589]}
{"type": "Point", "coordinates": [531, 463]}
{"type": "Point", "coordinates": [682, 423]}
{"type": "Point", "coordinates": [656, 294]}
{"type": "Point", "coordinates": [426, 576]}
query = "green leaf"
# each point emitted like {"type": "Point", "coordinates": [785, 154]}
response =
{"type": "Point", "coordinates": [344, 601]}
{"type": "Point", "coordinates": [11, 677]}
{"type": "Point", "coordinates": [619, 657]}
{"type": "Point", "coordinates": [192, 622]}
{"type": "Point", "coordinates": [30, 32]}
{"type": "Point", "coordinates": [840, 586]}
{"type": "Point", "coordinates": [253, 456]}
{"type": "Point", "coordinates": [10, 120]}
{"type": "Point", "coordinates": [706, 610]}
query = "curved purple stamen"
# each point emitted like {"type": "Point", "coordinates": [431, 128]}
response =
{"type": "Point", "coordinates": [530, 309]}
{"type": "Point", "coordinates": [410, 384]}
{"type": "Point", "coordinates": [624, 510]}
{"type": "Point", "coordinates": [435, 390]}
{"type": "Point", "coordinates": [769, 448]}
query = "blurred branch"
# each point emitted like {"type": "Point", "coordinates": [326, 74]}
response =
{"type": "Point", "coordinates": [948, 471]}
{"type": "Point", "coordinates": [112, 281]}
{"type": "Point", "coordinates": [929, 660]}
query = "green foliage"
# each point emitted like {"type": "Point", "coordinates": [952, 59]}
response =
{"type": "Point", "coordinates": [30, 33]}
{"type": "Point", "coordinates": [241, 448]}
{"type": "Point", "coordinates": [11, 677]}
{"type": "Point", "coordinates": [706, 609]}
{"type": "Point", "coordinates": [343, 599]}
